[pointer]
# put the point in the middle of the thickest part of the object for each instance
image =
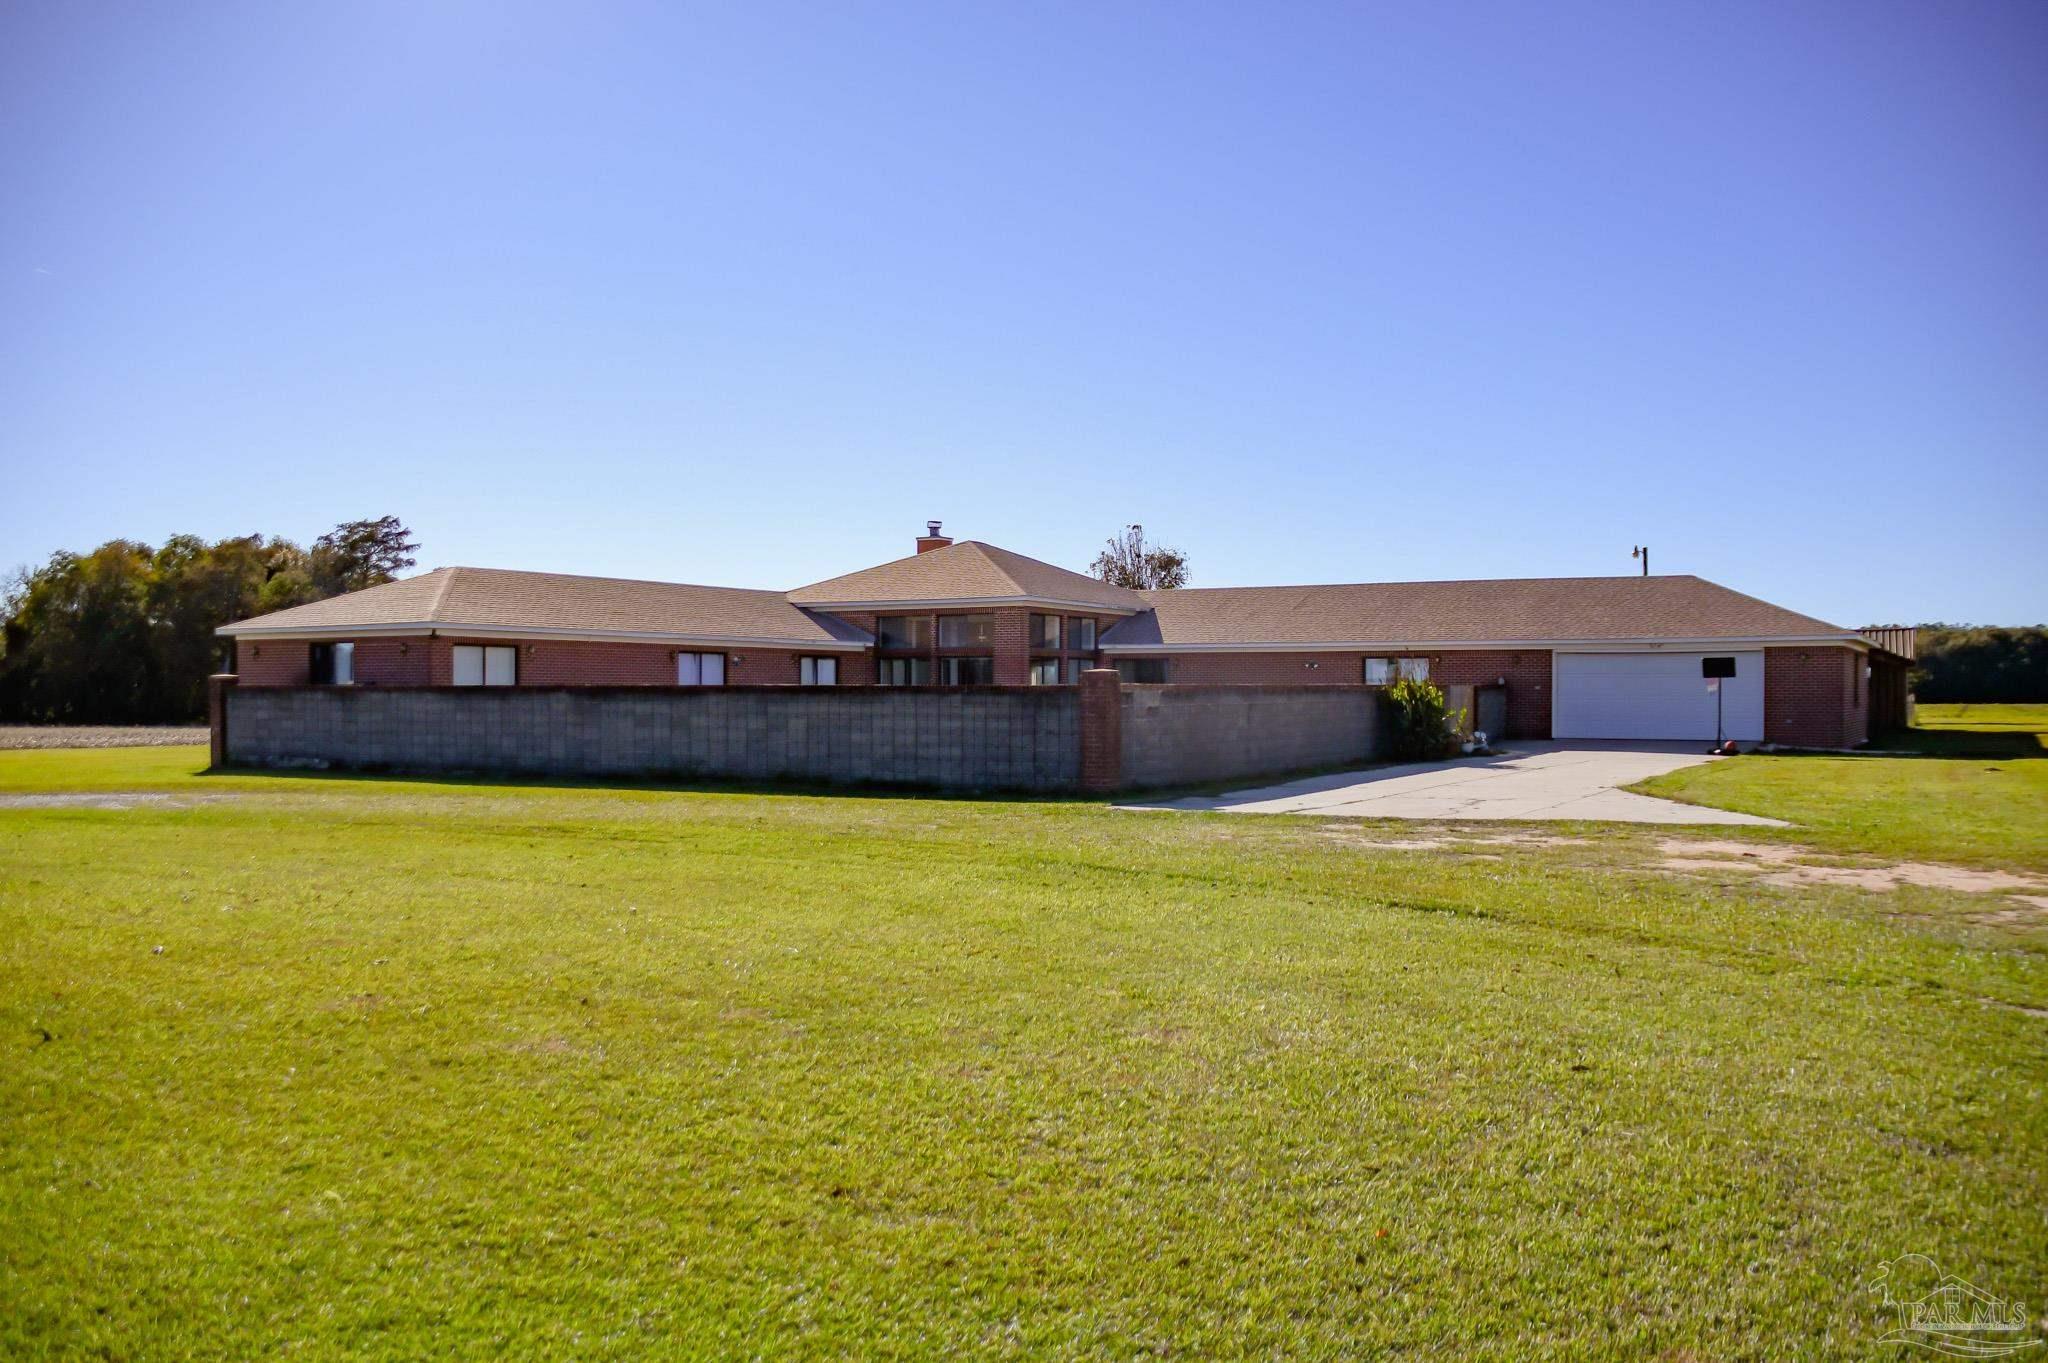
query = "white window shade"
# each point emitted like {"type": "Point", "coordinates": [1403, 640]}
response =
{"type": "Point", "coordinates": [700, 669]}
{"type": "Point", "coordinates": [482, 665]}
{"type": "Point", "coordinates": [344, 664]}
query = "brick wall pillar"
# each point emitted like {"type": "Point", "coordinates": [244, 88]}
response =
{"type": "Point", "coordinates": [1013, 647]}
{"type": "Point", "coordinates": [217, 715]}
{"type": "Point", "coordinates": [1102, 730]}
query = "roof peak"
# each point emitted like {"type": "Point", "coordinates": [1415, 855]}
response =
{"type": "Point", "coordinates": [1433, 582]}
{"type": "Point", "coordinates": [596, 577]}
{"type": "Point", "coordinates": [968, 571]}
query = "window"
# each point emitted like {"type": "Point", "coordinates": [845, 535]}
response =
{"type": "Point", "coordinates": [700, 669]}
{"type": "Point", "coordinates": [967, 631]}
{"type": "Point", "coordinates": [903, 672]}
{"type": "Point", "coordinates": [903, 631]}
{"type": "Point", "coordinates": [1075, 667]}
{"type": "Point", "coordinates": [332, 665]}
{"type": "Point", "coordinates": [1142, 671]}
{"type": "Point", "coordinates": [1383, 671]}
{"type": "Point", "coordinates": [1045, 632]}
{"type": "Point", "coordinates": [479, 665]}
{"type": "Point", "coordinates": [1046, 672]}
{"type": "Point", "coordinates": [1081, 635]}
{"type": "Point", "coordinates": [818, 671]}
{"type": "Point", "coordinates": [967, 671]}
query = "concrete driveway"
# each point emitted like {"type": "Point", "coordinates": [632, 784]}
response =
{"type": "Point", "coordinates": [1533, 780]}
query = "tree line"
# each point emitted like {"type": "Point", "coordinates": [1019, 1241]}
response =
{"type": "Point", "coordinates": [124, 634]}
{"type": "Point", "coordinates": [1981, 665]}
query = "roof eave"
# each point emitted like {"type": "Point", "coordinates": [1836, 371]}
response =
{"type": "Point", "coordinates": [1610, 645]}
{"type": "Point", "coordinates": [254, 629]}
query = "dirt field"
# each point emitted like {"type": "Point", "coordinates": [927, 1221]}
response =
{"type": "Point", "coordinates": [99, 735]}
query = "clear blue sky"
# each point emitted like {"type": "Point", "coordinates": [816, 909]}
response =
{"type": "Point", "coordinates": [744, 293]}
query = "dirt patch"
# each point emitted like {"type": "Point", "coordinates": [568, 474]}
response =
{"type": "Point", "coordinates": [99, 800]}
{"type": "Point", "coordinates": [111, 799]}
{"type": "Point", "coordinates": [1787, 864]}
{"type": "Point", "coordinates": [1450, 842]}
{"type": "Point", "coordinates": [2019, 914]}
{"type": "Point", "coordinates": [99, 735]}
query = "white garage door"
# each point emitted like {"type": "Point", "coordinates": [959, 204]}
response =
{"type": "Point", "coordinates": [1655, 695]}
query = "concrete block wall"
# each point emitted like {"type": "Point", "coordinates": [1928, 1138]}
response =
{"type": "Point", "coordinates": [1186, 735]}
{"type": "Point", "coordinates": [1023, 738]}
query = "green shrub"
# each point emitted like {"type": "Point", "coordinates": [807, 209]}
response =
{"type": "Point", "coordinates": [1419, 729]}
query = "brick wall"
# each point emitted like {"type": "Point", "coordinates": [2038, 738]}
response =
{"type": "Point", "coordinates": [424, 661]}
{"type": "Point", "coordinates": [1013, 646]}
{"type": "Point", "coordinates": [378, 662]}
{"type": "Point", "coordinates": [1528, 678]}
{"type": "Point", "coordinates": [1815, 697]}
{"type": "Point", "coordinates": [1527, 673]}
{"type": "Point", "coordinates": [564, 662]}
{"type": "Point", "coordinates": [1019, 738]}
{"type": "Point", "coordinates": [1264, 669]}
{"type": "Point", "coordinates": [1102, 753]}
{"type": "Point", "coordinates": [1012, 652]}
{"type": "Point", "coordinates": [1183, 735]}
{"type": "Point", "coordinates": [431, 662]}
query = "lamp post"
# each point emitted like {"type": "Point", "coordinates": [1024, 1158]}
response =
{"type": "Point", "coordinates": [1642, 551]}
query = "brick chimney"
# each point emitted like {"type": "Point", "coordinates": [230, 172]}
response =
{"type": "Point", "coordinates": [931, 538]}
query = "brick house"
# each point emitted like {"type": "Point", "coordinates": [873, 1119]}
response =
{"type": "Point", "coordinates": [1605, 657]}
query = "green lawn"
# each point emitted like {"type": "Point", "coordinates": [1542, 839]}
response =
{"type": "Point", "coordinates": [1976, 792]}
{"type": "Point", "coordinates": [378, 1068]}
{"type": "Point", "coordinates": [2012, 720]}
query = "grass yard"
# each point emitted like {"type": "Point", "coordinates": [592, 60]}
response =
{"type": "Point", "coordinates": [385, 1068]}
{"type": "Point", "coordinates": [1974, 793]}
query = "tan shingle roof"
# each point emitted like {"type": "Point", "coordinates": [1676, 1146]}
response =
{"type": "Point", "coordinates": [969, 571]}
{"type": "Point", "coordinates": [496, 598]}
{"type": "Point", "coordinates": [1504, 610]}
